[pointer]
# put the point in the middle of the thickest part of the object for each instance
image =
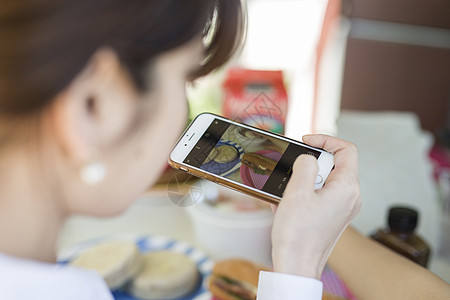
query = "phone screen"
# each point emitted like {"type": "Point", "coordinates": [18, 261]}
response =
{"type": "Point", "coordinates": [246, 156]}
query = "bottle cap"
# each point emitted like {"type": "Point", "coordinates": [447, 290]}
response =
{"type": "Point", "coordinates": [402, 219]}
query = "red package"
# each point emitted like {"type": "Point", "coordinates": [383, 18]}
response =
{"type": "Point", "coordinates": [257, 98]}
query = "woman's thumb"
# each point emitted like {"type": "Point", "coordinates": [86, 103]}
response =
{"type": "Point", "coordinates": [304, 173]}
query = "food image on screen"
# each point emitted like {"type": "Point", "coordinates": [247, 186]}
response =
{"type": "Point", "coordinates": [224, 158]}
{"type": "Point", "coordinates": [225, 154]}
{"type": "Point", "coordinates": [246, 156]}
{"type": "Point", "coordinates": [259, 163]}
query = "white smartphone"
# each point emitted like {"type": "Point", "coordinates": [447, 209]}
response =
{"type": "Point", "coordinates": [242, 157]}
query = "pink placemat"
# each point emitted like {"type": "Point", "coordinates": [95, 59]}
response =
{"type": "Point", "coordinates": [334, 285]}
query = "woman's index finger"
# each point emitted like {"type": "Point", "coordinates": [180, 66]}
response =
{"type": "Point", "coordinates": [345, 153]}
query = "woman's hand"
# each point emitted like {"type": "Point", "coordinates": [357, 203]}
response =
{"type": "Point", "coordinates": [309, 222]}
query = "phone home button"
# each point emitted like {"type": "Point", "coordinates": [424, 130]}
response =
{"type": "Point", "coordinates": [319, 179]}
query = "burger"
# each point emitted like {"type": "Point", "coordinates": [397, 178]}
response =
{"type": "Point", "coordinates": [235, 279]}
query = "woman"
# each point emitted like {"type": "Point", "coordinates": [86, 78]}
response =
{"type": "Point", "coordinates": [92, 97]}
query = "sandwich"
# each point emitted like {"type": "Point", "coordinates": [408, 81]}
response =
{"type": "Point", "coordinates": [235, 279]}
{"type": "Point", "coordinates": [259, 163]}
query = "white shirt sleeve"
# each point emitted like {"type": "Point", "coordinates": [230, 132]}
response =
{"type": "Point", "coordinates": [275, 286]}
{"type": "Point", "coordinates": [22, 279]}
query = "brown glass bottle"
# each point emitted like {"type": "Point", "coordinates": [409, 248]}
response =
{"type": "Point", "coordinates": [400, 236]}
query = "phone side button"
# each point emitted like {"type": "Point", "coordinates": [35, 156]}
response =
{"type": "Point", "coordinates": [319, 179]}
{"type": "Point", "coordinates": [210, 178]}
{"type": "Point", "coordinates": [184, 169]}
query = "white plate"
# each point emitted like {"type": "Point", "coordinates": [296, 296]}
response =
{"type": "Point", "coordinates": [147, 243]}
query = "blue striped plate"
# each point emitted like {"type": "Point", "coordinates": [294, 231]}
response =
{"type": "Point", "coordinates": [147, 243]}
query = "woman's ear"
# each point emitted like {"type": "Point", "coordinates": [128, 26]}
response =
{"type": "Point", "coordinates": [97, 108]}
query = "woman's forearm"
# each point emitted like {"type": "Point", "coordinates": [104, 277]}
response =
{"type": "Point", "coordinates": [372, 271]}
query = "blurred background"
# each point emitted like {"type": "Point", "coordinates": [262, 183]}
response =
{"type": "Point", "coordinates": [374, 72]}
{"type": "Point", "coordinates": [357, 54]}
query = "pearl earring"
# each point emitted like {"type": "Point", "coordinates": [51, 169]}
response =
{"type": "Point", "coordinates": [93, 173]}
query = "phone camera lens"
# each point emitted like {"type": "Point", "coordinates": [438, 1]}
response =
{"type": "Point", "coordinates": [185, 144]}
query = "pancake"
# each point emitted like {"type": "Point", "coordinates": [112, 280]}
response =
{"type": "Point", "coordinates": [165, 275]}
{"type": "Point", "coordinates": [117, 262]}
{"type": "Point", "coordinates": [226, 154]}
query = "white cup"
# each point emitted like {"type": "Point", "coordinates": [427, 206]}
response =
{"type": "Point", "coordinates": [228, 233]}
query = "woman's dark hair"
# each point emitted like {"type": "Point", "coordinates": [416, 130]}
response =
{"type": "Point", "coordinates": [46, 43]}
